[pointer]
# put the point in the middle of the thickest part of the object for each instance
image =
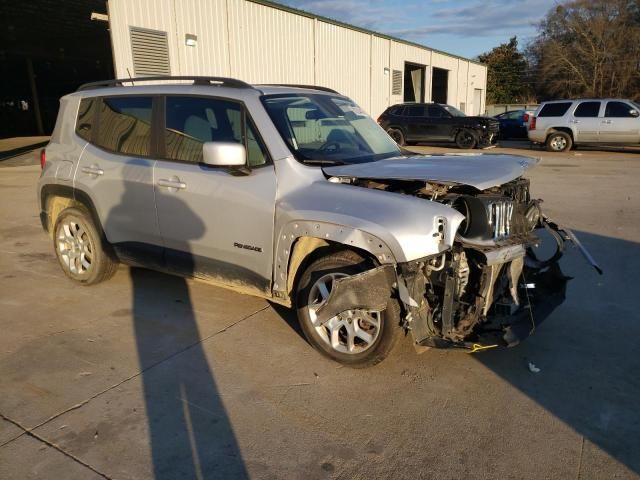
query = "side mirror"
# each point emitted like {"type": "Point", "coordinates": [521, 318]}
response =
{"type": "Point", "coordinates": [224, 154]}
{"type": "Point", "coordinates": [633, 113]}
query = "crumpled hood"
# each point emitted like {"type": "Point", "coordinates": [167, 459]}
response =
{"type": "Point", "coordinates": [478, 170]}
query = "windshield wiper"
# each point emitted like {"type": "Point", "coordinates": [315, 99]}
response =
{"type": "Point", "coordinates": [318, 161]}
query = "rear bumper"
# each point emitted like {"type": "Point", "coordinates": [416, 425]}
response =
{"type": "Point", "coordinates": [537, 136]}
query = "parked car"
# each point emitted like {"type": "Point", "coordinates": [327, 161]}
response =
{"type": "Point", "coordinates": [409, 123]}
{"type": "Point", "coordinates": [297, 196]}
{"type": "Point", "coordinates": [513, 124]}
{"type": "Point", "coordinates": [562, 124]}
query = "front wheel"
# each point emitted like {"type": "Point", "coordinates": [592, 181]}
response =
{"type": "Point", "coordinates": [466, 139]}
{"type": "Point", "coordinates": [356, 338]}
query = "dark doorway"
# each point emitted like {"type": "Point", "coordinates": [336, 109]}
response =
{"type": "Point", "coordinates": [413, 82]}
{"type": "Point", "coordinates": [439, 85]}
{"type": "Point", "coordinates": [47, 49]}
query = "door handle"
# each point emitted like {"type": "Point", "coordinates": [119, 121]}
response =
{"type": "Point", "coordinates": [606, 121]}
{"type": "Point", "coordinates": [93, 170]}
{"type": "Point", "coordinates": [574, 121]}
{"type": "Point", "coordinates": [174, 183]}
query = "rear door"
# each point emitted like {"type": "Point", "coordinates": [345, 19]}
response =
{"type": "Point", "coordinates": [116, 171]}
{"type": "Point", "coordinates": [416, 123]}
{"type": "Point", "coordinates": [586, 121]}
{"type": "Point", "coordinates": [620, 124]}
{"type": "Point", "coordinates": [216, 223]}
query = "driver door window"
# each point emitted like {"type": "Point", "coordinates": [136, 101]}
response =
{"type": "Point", "coordinates": [620, 110]}
{"type": "Point", "coordinates": [192, 121]}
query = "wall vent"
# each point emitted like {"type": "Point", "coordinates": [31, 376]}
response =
{"type": "Point", "coordinates": [150, 50]}
{"type": "Point", "coordinates": [396, 82]}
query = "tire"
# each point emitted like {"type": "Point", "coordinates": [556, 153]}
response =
{"type": "Point", "coordinates": [80, 248]}
{"type": "Point", "coordinates": [365, 353]}
{"type": "Point", "coordinates": [466, 139]}
{"type": "Point", "coordinates": [559, 142]}
{"type": "Point", "coordinates": [397, 136]}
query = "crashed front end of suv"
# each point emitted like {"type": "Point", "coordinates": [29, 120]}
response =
{"type": "Point", "coordinates": [487, 286]}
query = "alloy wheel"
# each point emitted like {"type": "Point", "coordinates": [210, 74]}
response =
{"type": "Point", "coordinates": [75, 247]}
{"type": "Point", "coordinates": [352, 331]}
{"type": "Point", "coordinates": [558, 143]}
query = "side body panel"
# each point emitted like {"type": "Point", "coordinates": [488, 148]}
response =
{"type": "Point", "coordinates": [585, 129]}
{"type": "Point", "coordinates": [220, 225]}
{"type": "Point", "coordinates": [393, 227]}
{"type": "Point", "coordinates": [124, 200]}
{"type": "Point", "coordinates": [620, 129]}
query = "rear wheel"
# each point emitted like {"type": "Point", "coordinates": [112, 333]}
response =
{"type": "Point", "coordinates": [559, 142]}
{"type": "Point", "coordinates": [465, 139]}
{"type": "Point", "coordinates": [80, 250]}
{"type": "Point", "coordinates": [397, 136]}
{"type": "Point", "coordinates": [356, 338]}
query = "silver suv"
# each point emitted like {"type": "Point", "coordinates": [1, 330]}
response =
{"type": "Point", "coordinates": [296, 195]}
{"type": "Point", "coordinates": [564, 123]}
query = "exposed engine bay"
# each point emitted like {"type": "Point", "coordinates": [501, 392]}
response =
{"type": "Point", "coordinates": [490, 288]}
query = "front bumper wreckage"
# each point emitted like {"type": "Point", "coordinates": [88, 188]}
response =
{"type": "Point", "coordinates": [513, 293]}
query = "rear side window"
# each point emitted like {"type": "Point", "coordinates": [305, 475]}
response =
{"type": "Point", "coordinates": [587, 109]}
{"type": "Point", "coordinates": [618, 110]}
{"type": "Point", "coordinates": [125, 125]}
{"type": "Point", "coordinates": [554, 109]}
{"type": "Point", "coordinates": [86, 118]}
{"type": "Point", "coordinates": [192, 121]}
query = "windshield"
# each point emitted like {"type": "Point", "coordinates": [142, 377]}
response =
{"type": "Point", "coordinates": [328, 129]}
{"type": "Point", "coordinates": [453, 111]}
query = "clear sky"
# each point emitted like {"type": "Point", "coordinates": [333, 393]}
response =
{"type": "Point", "coordinates": [463, 27]}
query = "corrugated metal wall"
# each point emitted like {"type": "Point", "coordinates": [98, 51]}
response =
{"type": "Point", "coordinates": [269, 45]}
{"type": "Point", "coordinates": [343, 62]}
{"type": "Point", "coordinates": [262, 44]}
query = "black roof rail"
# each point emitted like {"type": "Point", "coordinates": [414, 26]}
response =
{"type": "Point", "coordinates": [118, 82]}
{"type": "Point", "coordinates": [293, 85]}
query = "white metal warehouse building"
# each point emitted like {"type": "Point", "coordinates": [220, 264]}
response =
{"type": "Point", "coordinates": [263, 42]}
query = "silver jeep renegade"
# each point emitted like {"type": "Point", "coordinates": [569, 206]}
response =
{"type": "Point", "coordinates": [294, 194]}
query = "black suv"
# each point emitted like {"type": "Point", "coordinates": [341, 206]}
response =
{"type": "Point", "coordinates": [435, 122]}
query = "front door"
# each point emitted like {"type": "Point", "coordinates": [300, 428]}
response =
{"type": "Point", "coordinates": [621, 123]}
{"type": "Point", "coordinates": [439, 124]}
{"type": "Point", "coordinates": [216, 222]}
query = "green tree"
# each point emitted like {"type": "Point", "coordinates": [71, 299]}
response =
{"type": "Point", "coordinates": [507, 71]}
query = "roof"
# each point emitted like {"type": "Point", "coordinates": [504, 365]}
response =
{"type": "Point", "coordinates": [140, 85]}
{"type": "Point", "coordinates": [297, 11]}
{"type": "Point", "coordinates": [587, 99]}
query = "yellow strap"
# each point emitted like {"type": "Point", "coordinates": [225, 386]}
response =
{"type": "Point", "coordinates": [477, 347]}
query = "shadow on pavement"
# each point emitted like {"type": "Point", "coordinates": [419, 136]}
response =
{"type": "Point", "coordinates": [588, 351]}
{"type": "Point", "coordinates": [190, 433]}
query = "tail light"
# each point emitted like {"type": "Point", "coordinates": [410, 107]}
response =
{"type": "Point", "coordinates": [532, 125]}
{"type": "Point", "coordinates": [525, 118]}
{"type": "Point", "coordinates": [43, 158]}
